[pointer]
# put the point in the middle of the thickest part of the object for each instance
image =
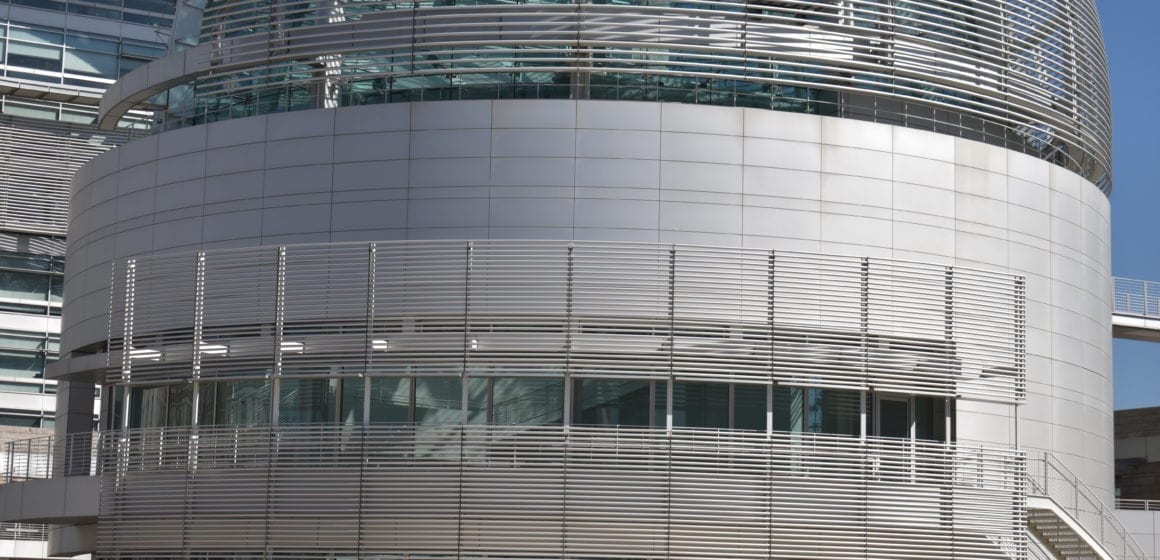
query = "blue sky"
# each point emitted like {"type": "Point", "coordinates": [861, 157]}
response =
{"type": "Point", "coordinates": [1134, 62]}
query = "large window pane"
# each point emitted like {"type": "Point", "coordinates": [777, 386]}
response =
{"type": "Point", "coordinates": [116, 412]}
{"type": "Point", "coordinates": [180, 405]}
{"type": "Point", "coordinates": [522, 401]}
{"type": "Point", "coordinates": [33, 34]}
{"type": "Point", "coordinates": [92, 63]}
{"type": "Point", "coordinates": [930, 419]}
{"type": "Point", "coordinates": [894, 418]}
{"type": "Point", "coordinates": [834, 411]}
{"type": "Point", "coordinates": [390, 400]}
{"type": "Point", "coordinates": [306, 401]}
{"type": "Point", "coordinates": [788, 409]}
{"type": "Point", "coordinates": [148, 407]}
{"type": "Point", "coordinates": [351, 402]}
{"type": "Point", "coordinates": [23, 285]}
{"type": "Point", "coordinates": [16, 363]}
{"type": "Point", "coordinates": [20, 420]}
{"type": "Point", "coordinates": [700, 405]}
{"type": "Point", "coordinates": [478, 390]}
{"type": "Point", "coordinates": [29, 55]}
{"type": "Point", "coordinates": [749, 407]}
{"type": "Point", "coordinates": [92, 43]}
{"type": "Point", "coordinates": [238, 403]}
{"type": "Point", "coordinates": [437, 400]}
{"type": "Point", "coordinates": [601, 402]}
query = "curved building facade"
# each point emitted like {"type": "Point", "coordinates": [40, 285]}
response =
{"type": "Point", "coordinates": [449, 280]}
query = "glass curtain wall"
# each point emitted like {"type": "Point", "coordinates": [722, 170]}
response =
{"type": "Point", "coordinates": [516, 401]}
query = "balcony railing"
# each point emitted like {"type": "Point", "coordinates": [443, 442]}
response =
{"type": "Point", "coordinates": [1049, 477]}
{"type": "Point", "coordinates": [1136, 297]}
{"type": "Point", "coordinates": [43, 457]}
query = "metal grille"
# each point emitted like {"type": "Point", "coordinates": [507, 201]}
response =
{"type": "Point", "coordinates": [578, 309]}
{"type": "Point", "coordinates": [553, 492]}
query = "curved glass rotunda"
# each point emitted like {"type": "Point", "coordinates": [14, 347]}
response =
{"type": "Point", "coordinates": [626, 280]}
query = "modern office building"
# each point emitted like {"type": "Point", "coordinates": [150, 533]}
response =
{"type": "Point", "coordinates": [56, 58]}
{"type": "Point", "coordinates": [637, 280]}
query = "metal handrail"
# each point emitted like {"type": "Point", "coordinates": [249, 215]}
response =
{"type": "Point", "coordinates": [1050, 478]}
{"type": "Point", "coordinates": [1140, 298]}
{"type": "Point", "coordinates": [43, 457]}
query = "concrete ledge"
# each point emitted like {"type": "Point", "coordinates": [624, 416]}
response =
{"type": "Point", "coordinates": [61, 501]}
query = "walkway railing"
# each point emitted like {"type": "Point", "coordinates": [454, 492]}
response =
{"type": "Point", "coordinates": [40, 457]}
{"type": "Point", "coordinates": [1049, 478]}
{"type": "Point", "coordinates": [1136, 297]}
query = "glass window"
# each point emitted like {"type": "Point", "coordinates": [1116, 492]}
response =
{"type": "Point", "coordinates": [31, 262]}
{"type": "Point", "coordinates": [478, 390]}
{"type": "Point", "coordinates": [350, 405]}
{"type": "Point", "coordinates": [893, 418]}
{"type": "Point", "coordinates": [92, 63]}
{"type": "Point", "coordinates": [36, 34]}
{"type": "Point", "coordinates": [749, 407]}
{"type": "Point", "coordinates": [161, 22]}
{"type": "Point", "coordinates": [15, 363]}
{"type": "Point", "coordinates": [56, 289]}
{"type": "Point", "coordinates": [20, 420]}
{"type": "Point", "coordinates": [116, 410]}
{"type": "Point", "coordinates": [77, 117]}
{"type": "Point", "coordinates": [306, 401]}
{"type": "Point", "coordinates": [930, 418]}
{"type": "Point", "coordinates": [600, 402]}
{"type": "Point", "coordinates": [90, 43]}
{"type": "Point", "coordinates": [159, 6]}
{"type": "Point", "coordinates": [390, 400]}
{"type": "Point", "coordinates": [236, 403]}
{"type": "Point", "coordinates": [22, 340]}
{"type": "Point", "coordinates": [700, 405]}
{"type": "Point", "coordinates": [27, 109]}
{"type": "Point", "coordinates": [527, 401]}
{"type": "Point", "coordinates": [13, 387]}
{"type": "Point", "coordinates": [23, 285]}
{"type": "Point", "coordinates": [834, 411]}
{"type": "Point", "coordinates": [180, 405]}
{"type": "Point", "coordinates": [29, 55]}
{"type": "Point", "coordinates": [438, 400]}
{"type": "Point", "coordinates": [93, 11]}
{"type": "Point", "coordinates": [148, 406]}
{"type": "Point", "coordinates": [142, 51]}
{"type": "Point", "coordinates": [788, 409]}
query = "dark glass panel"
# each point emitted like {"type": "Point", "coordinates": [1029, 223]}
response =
{"type": "Point", "coordinates": [390, 400]}
{"type": "Point", "coordinates": [601, 402]}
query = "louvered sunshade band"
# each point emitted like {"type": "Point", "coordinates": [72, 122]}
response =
{"type": "Point", "coordinates": [402, 491]}
{"type": "Point", "coordinates": [581, 309]}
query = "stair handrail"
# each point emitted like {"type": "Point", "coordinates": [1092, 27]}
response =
{"type": "Point", "coordinates": [1050, 478]}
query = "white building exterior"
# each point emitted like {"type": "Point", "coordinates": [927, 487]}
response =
{"type": "Point", "coordinates": [707, 279]}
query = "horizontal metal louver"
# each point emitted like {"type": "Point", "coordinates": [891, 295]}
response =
{"type": "Point", "coordinates": [553, 492]}
{"type": "Point", "coordinates": [37, 161]}
{"type": "Point", "coordinates": [583, 309]}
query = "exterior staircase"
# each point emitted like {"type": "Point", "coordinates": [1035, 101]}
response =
{"type": "Point", "coordinates": [1066, 521]}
